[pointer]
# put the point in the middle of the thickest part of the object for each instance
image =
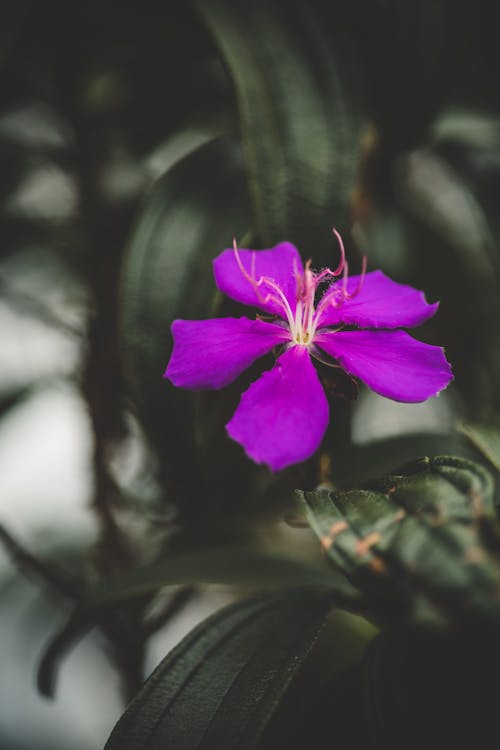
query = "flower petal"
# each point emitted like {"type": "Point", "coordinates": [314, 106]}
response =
{"type": "Point", "coordinates": [280, 264]}
{"type": "Point", "coordinates": [212, 353]}
{"type": "Point", "coordinates": [282, 417]}
{"type": "Point", "coordinates": [381, 303]}
{"type": "Point", "coordinates": [391, 363]}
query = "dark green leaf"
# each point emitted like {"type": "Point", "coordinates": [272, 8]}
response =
{"type": "Point", "coordinates": [300, 122]}
{"type": "Point", "coordinates": [244, 568]}
{"type": "Point", "coordinates": [417, 687]}
{"type": "Point", "coordinates": [362, 462]}
{"type": "Point", "coordinates": [422, 541]}
{"type": "Point", "coordinates": [221, 685]}
{"type": "Point", "coordinates": [191, 214]}
{"type": "Point", "coordinates": [486, 438]}
{"type": "Point", "coordinates": [449, 231]}
{"type": "Point", "coordinates": [435, 193]}
{"type": "Point", "coordinates": [406, 55]}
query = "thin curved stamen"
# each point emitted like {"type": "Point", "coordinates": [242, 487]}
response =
{"type": "Point", "coordinates": [332, 298]}
{"type": "Point", "coordinates": [362, 275]}
{"type": "Point", "coordinates": [314, 351]}
{"type": "Point", "coordinates": [306, 318]}
{"type": "Point", "coordinates": [328, 271]}
{"type": "Point", "coordinates": [344, 280]}
{"type": "Point", "coordinates": [336, 297]}
{"type": "Point", "coordinates": [281, 300]}
{"type": "Point", "coordinates": [249, 277]}
{"type": "Point", "coordinates": [342, 263]}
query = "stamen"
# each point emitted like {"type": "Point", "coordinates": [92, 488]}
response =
{"type": "Point", "coordinates": [281, 300]}
{"type": "Point", "coordinates": [340, 266]}
{"type": "Point", "coordinates": [315, 352]}
{"type": "Point", "coordinates": [328, 271]}
{"type": "Point", "coordinates": [249, 277]}
{"type": "Point", "coordinates": [304, 322]}
{"type": "Point", "coordinates": [362, 275]}
{"type": "Point", "coordinates": [344, 280]}
{"type": "Point", "coordinates": [334, 296]}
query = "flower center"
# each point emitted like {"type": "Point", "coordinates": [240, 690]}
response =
{"type": "Point", "coordinates": [307, 317]}
{"type": "Point", "coordinates": [303, 324]}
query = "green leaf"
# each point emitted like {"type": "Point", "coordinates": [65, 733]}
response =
{"type": "Point", "coordinates": [300, 122]}
{"type": "Point", "coordinates": [244, 568]}
{"type": "Point", "coordinates": [450, 232]}
{"type": "Point", "coordinates": [435, 193]}
{"type": "Point", "coordinates": [417, 687]}
{"type": "Point", "coordinates": [190, 215]}
{"type": "Point", "coordinates": [221, 685]}
{"type": "Point", "coordinates": [422, 541]}
{"type": "Point", "coordinates": [486, 438]}
{"type": "Point", "coordinates": [362, 462]}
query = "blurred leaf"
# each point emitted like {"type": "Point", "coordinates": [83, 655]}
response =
{"type": "Point", "coordinates": [236, 566]}
{"type": "Point", "coordinates": [455, 257]}
{"type": "Point", "coordinates": [439, 683]}
{"type": "Point", "coordinates": [486, 438]}
{"type": "Point", "coordinates": [221, 685]}
{"type": "Point", "coordinates": [299, 112]}
{"type": "Point", "coordinates": [244, 568]}
{"type": "Point", "coordinates": [339, 648]}
{"type": "Point", "coordinates": [417, 687]}
{"type": "Point", "coordinates": [363, 462]}
{"type": "Point", "coordinates": [21, 232]}
{"type": "Point", "coordinates": [407, 50]}
{"type": "Point", "coordinates": [422, 541]}
{"type": "Point", "coordinates": [434, 192]}
{"type": "Point", "coordinates": [190, 215]}
{"type": "Point", "coordinates": [12, 397]}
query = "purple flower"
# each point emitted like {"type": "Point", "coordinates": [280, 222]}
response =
{"type": "Point", "coordinates": [282, 417]}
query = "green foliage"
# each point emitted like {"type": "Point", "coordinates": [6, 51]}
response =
{"type": "Point", "coordinates": [245, 568]}
{"type": "Point", "coordinates": [221, 685]}
{"type": "Point", "coordinates": [299, 115]}
{"type": "Point", "coordinates": [422, 542]}
{"type": "Point", "coordinates": [420, 686]}
{"type": "Point", "coordinates": [167, 275]}
{"type": "Point", "coordinates": [177, 129]}
{"type": "Point", "coordinates": [486, 438]}
{"type": "Point", "coordinates": [299, 173]}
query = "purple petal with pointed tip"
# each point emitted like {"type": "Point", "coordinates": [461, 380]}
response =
{"type": "Point", "coordinates": [381, 303]}
{"type": "Point", "coordinates": [280, 264]}
{"type": "Point", "coordinates": [212, 353]}
{"type": "Point", "coordinates": [282, 417]}
{"type": "Point", "coordinates": [391, 363]}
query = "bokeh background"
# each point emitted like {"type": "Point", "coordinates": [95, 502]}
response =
{"type": "Point", "coordinates": [136, 140]}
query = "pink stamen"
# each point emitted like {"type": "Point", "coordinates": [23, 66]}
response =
{"type": "Point", "coordinates": [304, 322]}
{"type": "Point", "coordinates": [340, 266]}
{"type": "Point", "coordinates": [362, 275]}
{"type": "Point", "coordinates": [280, 300]}
{"type": "Point", "coordinates": [316, 353]}
{"type": "Point", "coordinates": [336, 297]}
{"type": "Point", "coordinates": [344, 280]}
{"type": "Point", "coordinates": [249, 277]}
{"type": "Point", "coordinates": [328, 271]}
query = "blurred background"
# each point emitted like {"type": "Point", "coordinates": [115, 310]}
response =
{"type": "Point", "coordinates": [136, 139]}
